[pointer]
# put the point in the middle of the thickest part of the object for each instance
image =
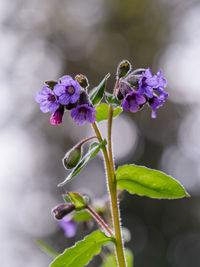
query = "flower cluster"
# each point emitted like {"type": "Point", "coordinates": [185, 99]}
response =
{"type": "Point", "coordinates": [141, 87]}
{"type": "Point", "coordinates": [66, 94]}
{"type": "Point", "coordinates": [134, 89]}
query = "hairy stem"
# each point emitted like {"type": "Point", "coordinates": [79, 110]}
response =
{"type": "Point", "coordinates": [114, 198]}
{"type": "Point", "coordinates": [113, 195]}
{"type": "Point", "coordinates": [99, 220]}
{"type": "Point", "coordinates": [85, 140]}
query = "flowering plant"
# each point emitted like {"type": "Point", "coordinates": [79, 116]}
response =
{"type": "Point", "coordinates": [133, 89]}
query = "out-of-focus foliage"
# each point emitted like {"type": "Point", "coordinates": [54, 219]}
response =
{"type": "Point", "coordinates": [43, 40]}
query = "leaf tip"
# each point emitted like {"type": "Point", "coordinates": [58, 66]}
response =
{"type": "Point", "coordinates": [107, 76]}
{"type": "Point", "coordinates": [187, 195]}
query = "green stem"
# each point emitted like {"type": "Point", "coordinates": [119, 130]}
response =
{"type": "Point", "coordinates": [114, 198]}
{"type": "Point", "coordinates": [113, 194]}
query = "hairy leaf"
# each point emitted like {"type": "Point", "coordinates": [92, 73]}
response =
{"type": "Point", "coordinates": [83, 251]}
{"type": "Point", "coordinates": [96, 94]}
{"type": "Point", "coordinates": [110, 260]}
{"type": "Point", "coordinates": [93, 150]}
{"type": "Point", "coordinates": [147, 182]}
{"type": "Point", "coordinates": [78, 200]}
{"type": "Point", "coordinates": [102, 112]}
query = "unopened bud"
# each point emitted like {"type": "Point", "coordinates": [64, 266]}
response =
{"type": "Point", "coordinates": [51, 84]}
{"type": "Point", "coordinates": [70, 106]}
{"type": "Point", "coordinates": [72, 157]}
{"type": "Point", "coordinates": [84, 98]}
{"type": "Point", "coordinates": [82, 80]}
{"type": "Point", "coordinates": [123, 68]}
{"type": "Point", "coordinates": [62, 210]}
{"type": "Point", "coordinates": [123, 90]}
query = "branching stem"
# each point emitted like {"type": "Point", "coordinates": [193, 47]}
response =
{"type": "Point", "coordinates": [99, 220]}
{"type": "Point", "coordinates": [109, 162]}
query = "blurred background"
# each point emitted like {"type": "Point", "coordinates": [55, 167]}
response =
{"type": "Point", "coordinates": [43, 40]}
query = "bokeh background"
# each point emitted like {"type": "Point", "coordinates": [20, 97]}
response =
{"type": "Point", "coordinates": [43, 40]}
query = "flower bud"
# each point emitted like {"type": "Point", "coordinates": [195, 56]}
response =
{"type": "Point", "coordinates": [123, 68]}
{"type": "Point", "coordinates": [82, 80]}
{"type": "Point", "coordinates": [133, 79]}
{"type": "Point", "coordinates": [84, 98]}
{"type": "Point", "coordinates": [70, 106]}
{"type": "Point", "coordinates": [63, 209]}
{"type": "Point", "coordinates": [72, 157]}
{"type": "Point", "coordinates": [51, 84]}
{"type": "Point", "coordinates": [123, 90]}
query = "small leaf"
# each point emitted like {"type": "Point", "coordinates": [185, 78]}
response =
{"type": "Point", "coordinates": [110, 99]}
{"type": "Point", "coordinates": [67, 198]}
{"type": "Point", "coordinates": [147, 182]}
{"type": "Point", "coordinates": [49, 251]}
{"type": "Point", "coordinates": [78, 200]}
{"type": "Point", "coordinates": [110, 260]}
{"type": "Point", "coordinates": [82, 216]}
{"type": "Point", "coordinates": [102, 112]}
{"type": "Point", "coordinates": [93, 150]}
{"type": "Point", "coordinates": [83, 251]}
{"type": "Point", "coordinates": [96, 94]}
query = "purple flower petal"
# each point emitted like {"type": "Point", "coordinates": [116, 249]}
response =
{"type": "Point", "coordinates": [59, 89]}
{"type": "Point", "coordinates": [53, 106]}
{"type": "Point", "coordinates": [155, 104]}
{"type": "Point", "coordinates": [66, 79]}
{"type": "Point", "coordinates": [133, 101]}
{"type": "Point", "coordinates": [67, 90]}
{"type": "Point", "coordinates": [162, 83]}
{"type": "Point", "coordinates": [69, 227]}
{"type": "Point", "coordinates": [47, 99]}
{"type": "Point", "coordinates": [83, 113]}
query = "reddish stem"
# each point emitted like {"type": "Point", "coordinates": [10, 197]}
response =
{"type": "Point", "coordinates": [99, 220]}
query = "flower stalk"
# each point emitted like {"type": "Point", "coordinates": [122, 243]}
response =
{"type": "Point", "coordinates": [109, 162]}
{"type": "Point", "coordinates": [99, 220]}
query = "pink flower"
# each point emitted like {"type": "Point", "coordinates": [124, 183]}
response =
{"type": "Point", "coordinates": [56, 117]}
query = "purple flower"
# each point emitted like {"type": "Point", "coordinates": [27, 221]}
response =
{"type": "Point", "coordinates": [147, 83]}
{"type": "Point", "coordinates": [68, 225]}
{"type": "Point", "coordinates": [133, 101]}
{"type": "Point", "coordinates": [47, 99]}
{"type": "Point", "coordinates": [162, 83]}
{"type": "Point", "coordinates": [155, 103]}
{"type": "Point", "coordinates": [56, 117]}
{"type": "Point", "coordinates": [67, 90]}
{"type": "Point", "coordinates": [83, 113]}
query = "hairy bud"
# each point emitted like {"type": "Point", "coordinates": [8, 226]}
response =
{"type": "Point", "coordinates": [72, 157]}
{"type": "Point", "coordinates": [82, 80]}
{"type": "Point", "coordinates": [62, 210]}
{"type": "Point", "coordinates": [51, 84]}
{"type": "Point", "coordinates": [123, 68]}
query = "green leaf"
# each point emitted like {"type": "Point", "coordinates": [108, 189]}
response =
{"type": "Point", "coordinates": [102, 112]}
{"type": "Point", "coordinates": [110, 99]}
{"type": "Point", "coordinates": [147, 182]}
{"type": "Point", "coordinates": [83, 251]}
{"type": "Point", "coordinates": [49, 251]}
{"type": "Point", "coordinates": [67, 198]}
{"type": "Point", "coordinates": [96, 94]}
{"type": "Point", "coordinates": [82, 216]}
{"type": "Point", "coordinates": [93, 150]}
{"type": "Point", "coordinates": [110, 260]}
{"type": "Point", "coordinates": [78, 200]}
